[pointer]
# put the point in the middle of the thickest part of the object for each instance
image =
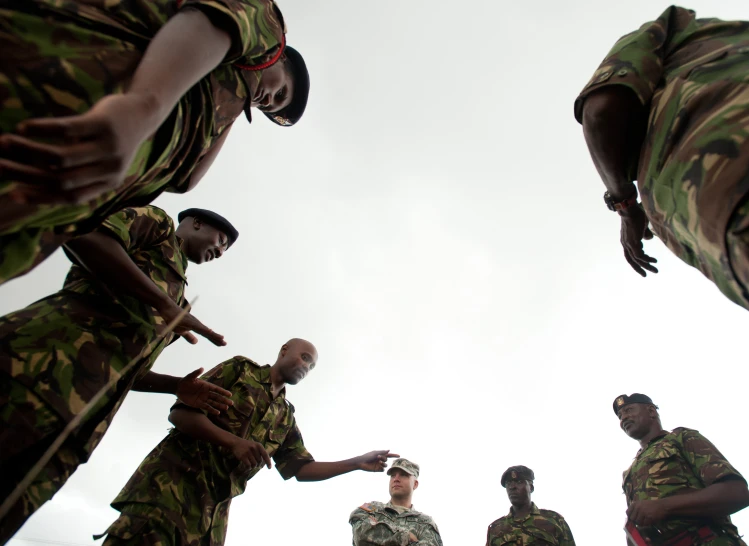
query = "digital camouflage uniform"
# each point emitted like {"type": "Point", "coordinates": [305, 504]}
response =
{"type": "Point", "coordinates": [674, 463]}
{"type": "Point", "coordinates": [384, 524]}
{"type": "Point", "coordinates": [692, 171]}
{"type": "Point", "coordinates": [540, 528]}
{"type": "Point", "coordinates": [57, 353]}
{"type": "Point", "coordinates": [181, 492]}
{"type": "Point", "coordinates": [59, 57]}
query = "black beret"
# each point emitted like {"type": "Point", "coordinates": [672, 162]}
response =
{"type": "Point", "coordinates": [519, 472]}
{"type": "Point", "coordinates": [293, 112]}
{"type": "Point", "coordinates": [212, 219]}
{"type": "Point", "coordinates": [634, 398]}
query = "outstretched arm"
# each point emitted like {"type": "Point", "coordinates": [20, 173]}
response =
{"type": "Point", "coordinates": [189, 389]}
{"type": "Point", "coordinates": [374, 461]}
{"type": "Point", "coordinates": [108, 261]}
{"type": "Point", "coordinates": [715, 501]}
{"type": "Point", "coordinates": [92, 152]}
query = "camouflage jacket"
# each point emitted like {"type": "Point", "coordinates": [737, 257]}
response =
{"type": "Point", "coordinates": [677, 462]}
{"type": "Point", "coordinates": [540, 528]}
{"type": "Point", "coordinates": [691, 75]}
{"type": "Point", "coordinates": [191, 482]}
{"type": "Point", "coordinates": [104, 41]}
{"type": "Point", "coordinates": [382, 524]}
{"type": "Point", "coordinates": [67, 346]}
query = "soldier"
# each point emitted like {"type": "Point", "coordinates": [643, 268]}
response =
{"type": "Point", "coordinates": [126, 285]}
{"type": "Point", "coordinates": [527, 524]}
{"type": "Point", "coordinates": [680, 489]}
{"type": "Point", "coordinates": [107, 104]}
{"type": "Point", "coordinates": [395, 523]}
{"type": "Point", "coordinates": [181, 492]}
{"type": "Point", "coordinates": [668, 107]}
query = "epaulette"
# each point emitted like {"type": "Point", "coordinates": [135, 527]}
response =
{"type": "Point", "coordinates": [680, 430]}
{"type": "Point", "coordinates": [496, 522]}
{"type": "Point", "coordinates": [550, 513]}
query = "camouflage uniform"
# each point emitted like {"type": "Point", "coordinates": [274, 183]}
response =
{"type": "Point", "coordinates": [181, 492]}
{"type": "Point", "coordinates": [540, 528]}
{"type": "Point", "coordinates": [691, 173]}
{"type": "Point", "coordinates": [674, 463]}
{"type": "Point", "coordinates": [56, 354]}
{"type": "Point", "coordinates": [380, 524]}
{"type": "Point", "coordinates": [60, 57]}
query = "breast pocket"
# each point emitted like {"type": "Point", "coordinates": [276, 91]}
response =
{"type": "Point", "coordinates": [506, 539]}
{"type": "Point", "coordinates": [665, 468]}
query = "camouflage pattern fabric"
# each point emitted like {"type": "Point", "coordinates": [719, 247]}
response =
{"type": "Point", "coordinates": [384, 524]}
{"type": "Point", "coordinates": [182, 490]}
{"type": "Point", "coordinates": [56, 354]}
{"type": "Point", "coordinates": [61, 56]}
{"type": "Point", "coordinates": [678, 462]}
{"type": "Point", "coordinates": [691, 75]}
{"type": "Point", "coordinates": [540, 528]}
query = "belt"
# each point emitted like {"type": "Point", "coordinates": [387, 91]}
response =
{"type": "Point", "coordinates": [687, 538]}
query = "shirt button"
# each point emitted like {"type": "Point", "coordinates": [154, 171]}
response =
{"type": "Point", "coordinates": [623, 72]}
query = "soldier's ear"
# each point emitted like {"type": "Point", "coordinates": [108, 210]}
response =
{"type": "Point", "coordinates": [196, 223]}
{"type": "Point", "coordinates": [533, 488]}
{"type": "Point", "coordinates": [416, 484]}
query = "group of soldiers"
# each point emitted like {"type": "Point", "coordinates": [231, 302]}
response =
{"type": "Point", "coordinates": [100, 114]}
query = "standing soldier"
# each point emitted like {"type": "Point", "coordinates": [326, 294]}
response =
{"type": "Point", "coordinates": [106, 104]}
{"type": "Point", "coordinates": [668, 107]}
{"type": "Point", "coordinates": [395, 523]}
{"type": "Point", "coordinates": [527, 524]}
{"type": "Point", "coordinates": [57, 354]}
{"type": "Point", "coordinates": [182, 491]}
{"type": "Point", "coordinates": [680, 489]}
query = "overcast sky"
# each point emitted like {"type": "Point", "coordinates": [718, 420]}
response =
{"type": "Point", "coordinates": [436, 227]}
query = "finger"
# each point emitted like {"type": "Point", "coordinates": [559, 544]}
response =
{"type": "Point", "coordinates": [265, 456]}
{"type": "Point", "coordinates": [219, 406]}
{"type": "Point", "coordinates": [213, 337]}
{"type": "Point", "coordinates": [62, 156]}
{"type": "Point", "coordinates": [70, 127]}
{"type": "Point", "coordinates": [648, 234]}
{"type": "Point", "coordinates": [194, 375]}
{"type": "Point", "coordinates": [218, 390]}
{"type": "Point", "coordinates": [12, 170]}
{"type": "Point", "coordinates": [392, 455]}
{"type": "Point", "coordinates": [189, 338]}
{"type": "Point", "coordinates": [210, 409]}
{"type": "Point", "coordinates": [644, 261]}
{"type": "Point", "coordinates": [91, 192]}
{"type": "Point", "coordinates": [633, 264]}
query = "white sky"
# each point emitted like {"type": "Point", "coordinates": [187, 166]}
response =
{"type": "Point", "coordinates": [435, 226]}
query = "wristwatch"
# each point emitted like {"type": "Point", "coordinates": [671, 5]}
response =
{"type": "Point", "coordinates": [616, 206]}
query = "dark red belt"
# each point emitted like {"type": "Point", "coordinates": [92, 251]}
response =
{"type": "Point", "coordinates": [687, 537]}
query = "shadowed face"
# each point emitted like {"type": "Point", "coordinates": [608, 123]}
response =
{"type": "Point", "coordinates": [402, 484]}
{"type": "Point", "coordinates": [296, 359]}
{"type": "Point", "coordinates": [519, 491]}
{"type": "Point", "coordinates": [275, 89]}
{"type": "Point", "coordinates": [203, 243]}
{"type": "Point", "coordinates": [636, 419]}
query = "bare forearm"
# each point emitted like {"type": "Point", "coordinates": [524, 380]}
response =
{"type": "Point", "coordinates": [156, 382]}
{"type": "Point", "coordinates": [175, 61]}
{"type": "Point", "coordinates": [614, 124]}
{"type": "Point", "coordinates": [110, 264]}
{"type": "Point", "coordinates": [200, 427]}
{"type": "Point", "coordinates": [718, 500]}
{"type": "Point", "coordinates": [318, 471]}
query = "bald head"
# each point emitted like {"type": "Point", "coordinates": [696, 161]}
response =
{"type": "Point", "coordinates": [295, 360]}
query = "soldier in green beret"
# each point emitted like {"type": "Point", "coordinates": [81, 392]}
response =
{"type": "Point", "coordinates": [680, 489]}
{"type": "Point", "coordinates": [107, 104]}
{"type": "Point", "coordinates": [669, 108]}
{"type": "Point", "coordinates": [127, 283]}
{"type": "Point", "coordinates": [181, 493]}
{"type": "Point", "coordinates": [395, 522]}
{"type": "Point", "coordinates": [526, 523]}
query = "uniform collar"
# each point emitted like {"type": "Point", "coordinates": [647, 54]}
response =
{"type": "Point", "coordinates": [534, 512]}
{"type": "Point", "coordinates": [399, 509]}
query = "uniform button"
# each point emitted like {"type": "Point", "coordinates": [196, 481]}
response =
{"type": "Point", "coordinates": [622, 72]}
{"type": "Point", "coordinates": [604, 76]}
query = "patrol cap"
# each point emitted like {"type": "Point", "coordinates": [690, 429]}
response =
{"type": "Point", "coordinates": [634, 398]}
{"type": "Point", "coordinates": [212, 219]}
{"type": "Point", "coordinates": [519, 472]}
{"type": "Point", "coordinates": [293, 112]}
{"type": "Point", "coordinates": [405, 465]}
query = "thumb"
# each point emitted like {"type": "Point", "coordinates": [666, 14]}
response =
{"type": "Point", "coordinates": [194, 375]}
{"type": "Point", "coordinates": [648, 234]}
{"type": "Point", "coordinates": [189, 338]}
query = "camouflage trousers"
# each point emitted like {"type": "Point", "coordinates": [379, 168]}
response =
{"type": "Point", "coordinates": [144, 525]}
{"type": "Point", "coordinates": [27, 428]}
